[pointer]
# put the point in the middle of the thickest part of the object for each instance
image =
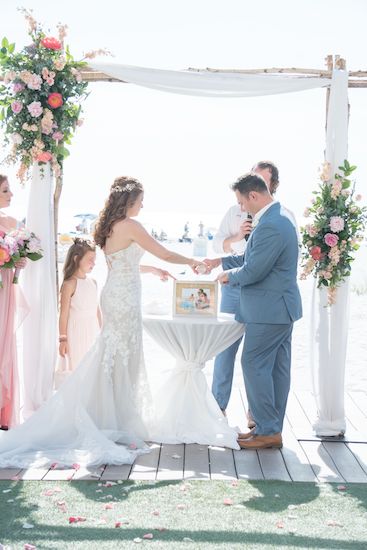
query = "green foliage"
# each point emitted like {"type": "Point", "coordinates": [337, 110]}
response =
{"type": "Point", "coordinates": [30, 77]}
{"type": "Point", "coordinates": [337, 225]}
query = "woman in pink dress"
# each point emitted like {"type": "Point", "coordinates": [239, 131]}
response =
{"type": "Point", "coordinates": [9, 385]}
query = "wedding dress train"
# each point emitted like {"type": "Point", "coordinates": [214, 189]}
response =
{"type": "Point", "coordinates": [102, 413]}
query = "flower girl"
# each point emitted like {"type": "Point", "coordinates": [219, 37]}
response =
{"type": "Point", "coordinates": [80, 316]}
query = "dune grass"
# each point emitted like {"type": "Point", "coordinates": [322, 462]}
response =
{"type": "Point", "coordinates": [196, 514]}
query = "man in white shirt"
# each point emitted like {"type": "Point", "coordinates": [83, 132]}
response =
{"type": "Point", "coordinates": [231, 239]}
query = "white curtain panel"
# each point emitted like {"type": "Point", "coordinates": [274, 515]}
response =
{"type": "Point", "coordinates": [39, 285]}
{"type": "Point", "coordinates": [210, 84]}
{"type": "Point", "coordinates": [329, 325]}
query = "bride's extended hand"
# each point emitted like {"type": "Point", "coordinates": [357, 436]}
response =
{"type": "Point", "coordinates": [163, 274]}
{"type": "Point", "coordinates": [212, 263]}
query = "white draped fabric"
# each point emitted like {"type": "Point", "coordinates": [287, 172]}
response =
{"type": "Point", "coordinates": [39, 284]}
{"type": "Point", "coordinates": [211, 84]}
{"type": "Point", "coordinates": [186, 409]}
{"type": "Point", "coordinates": [329, 325]}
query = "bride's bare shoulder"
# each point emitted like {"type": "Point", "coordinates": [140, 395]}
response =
{"type": "Point", "coordinates": [127, 224]}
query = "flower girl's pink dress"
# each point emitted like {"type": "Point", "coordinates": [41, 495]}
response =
{"type": "Point", "coordinates": [83, 327]}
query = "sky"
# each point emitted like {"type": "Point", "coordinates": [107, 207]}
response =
{"type": "Point", "coordinates": [188, 150]}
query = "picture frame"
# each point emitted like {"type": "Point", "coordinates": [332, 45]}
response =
{"type": "Point", "coordinates": [195, 299]}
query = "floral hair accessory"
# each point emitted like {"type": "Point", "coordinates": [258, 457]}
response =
{"type": "Point", "coordinates": [127, 187]}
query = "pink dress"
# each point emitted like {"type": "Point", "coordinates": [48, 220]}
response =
{"type": "Point", "coordinates": [83, 327]}
{"type": "Point", "coordinates": [12, 309]}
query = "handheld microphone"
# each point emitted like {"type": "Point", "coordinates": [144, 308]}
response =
{"type": "Point", "coordinates": [249, 217]}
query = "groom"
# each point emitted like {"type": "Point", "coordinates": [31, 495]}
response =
{"type": "Point", "coordinates": [270, 302]}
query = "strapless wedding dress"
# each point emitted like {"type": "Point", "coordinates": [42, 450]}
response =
{"type": "Point", "coordinates": [102, 413]}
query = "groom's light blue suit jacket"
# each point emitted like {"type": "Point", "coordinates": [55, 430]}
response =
{"type": "Point", "coordinates": [267, 273]}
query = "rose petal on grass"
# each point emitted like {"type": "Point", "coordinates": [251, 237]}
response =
{"type": "Point", "coordinates": [28, 546]}
{"type": "Point", "coordinates": [341, 487]}
{"type": "Point", "coordinates": [48, 493]}
{"type": "Point", "coordinates": [227, 502]}
{"type": "Point", "coordinates": [148, 536]}
{"type": "Point", "coordinates": [334, 523]}
{"type": "Point", "coordinates": [118, 524]}
{"type": "Point", "coordinates": [234, 483]}
{"type": "Point", "coordinates": [181, 506]}
{"type": "Point", "coordinates": [109, 484]}
{"type": "Point", "coordinates": [279, 525]}
{"type": "Point", "coordinates": [109, 506]}
{"type": "Point", "coordinates": [155, 513]}
{"type": "Point", "coordinates": [76, 466]}
{"type": "Point", "coordinates": [15, 478]}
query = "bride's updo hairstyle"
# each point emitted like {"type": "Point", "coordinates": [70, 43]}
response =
{"type": "Point", "coordinates": [123, 194]}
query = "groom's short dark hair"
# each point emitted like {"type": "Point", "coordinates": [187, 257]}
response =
{"type": "Point", "coordinates": [250, 182]}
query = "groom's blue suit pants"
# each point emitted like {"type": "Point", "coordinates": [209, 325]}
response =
{"type": "Point", "coordinates": [225, 361]}
{"type": "Point", "coordinates": [266, 362]}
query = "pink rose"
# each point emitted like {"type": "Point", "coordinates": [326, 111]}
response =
{"type": "Point", "coordinates": [35, 108]}
{"type": "Point", "coordinates": [16, 107]}
{"type": "Point", "coordinates": [336, 224]}
{"type": "Point", "coordinates": [315, 252]}
{"type": "Point", "coordinates": [18, 87]}
{"type": "Point", "coordinates": [57, 136]}
{"type": "Point", "coordinates": [331, 239]}
{"type": "Point", "coordinates": [45, 156]}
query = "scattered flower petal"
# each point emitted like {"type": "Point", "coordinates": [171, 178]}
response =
{"type": "Point", "coordinates": [181, 506]}
{"type": "Point", "coordinates": [76, 466]}
{"type": "Point", "coordinates": [341, 487]}
{"type": "Point", "coordinates": [187, 539]}
{"type": "Point", "coordinates": [137, 540]}
{"type": "Point", "coordinates": [228, 502]}
{"type": "Point", "coordinates": [334, 523]}
{"type": "Point", "coordinates": [108, 506]}
{"type": "Point", "coordinates": [176, 456]}
{"type": "Point", "coordinates": [27, 526]}
{"type": "Point", "coordinates": [155, 513]}
{"type": "Point", "coordinates": [48, 493]}
{"type": "Point", "coordinates": [28, 546]}
{"type": "Point", "coordinates": [279, 525]}
{"type": "Point", "coordinates": [118, 524]}
{"type": "Point", "coordinates": [148, 536]}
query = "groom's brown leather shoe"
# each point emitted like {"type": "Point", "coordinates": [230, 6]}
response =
{"type": "Point", "coordinates": [262, 442]}
{"type": "Point", "coordinates": [246, 435]}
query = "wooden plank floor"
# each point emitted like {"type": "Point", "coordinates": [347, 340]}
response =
{"type": "Point", "coordinates": [304, 457]}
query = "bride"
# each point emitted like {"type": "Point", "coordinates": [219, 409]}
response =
{"type": "Point", "coordinates": [102, 413]}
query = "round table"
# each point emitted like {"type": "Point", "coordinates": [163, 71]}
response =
{"type": "Point", "coordinates": [186, 409]}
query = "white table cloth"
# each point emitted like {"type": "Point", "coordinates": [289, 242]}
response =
{"type": "Point", "coordinates": [186, 409]}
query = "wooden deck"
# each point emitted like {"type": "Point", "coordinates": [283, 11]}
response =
{"type": "Point", "coordinates": [303, 458]}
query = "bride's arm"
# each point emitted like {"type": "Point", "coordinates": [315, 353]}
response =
{"type": "Point", "coordinates": [138, 234]}
{"type": "Point", "coordinates": [161, 273]}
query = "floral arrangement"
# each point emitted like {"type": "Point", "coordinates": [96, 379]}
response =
{"type": "Point", "coordinates": [336, 229]}
{"type": "Point", "coordinates": [40, 100]}
{"type": "Point", "coordinates": [17, 244]}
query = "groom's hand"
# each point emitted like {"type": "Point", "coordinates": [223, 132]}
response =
{"type": "Point", "coordinates": [212, 263]}
{"type": "Point", "coordinates": [223, 278]}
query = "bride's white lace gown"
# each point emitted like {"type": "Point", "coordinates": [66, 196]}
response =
{"type": "Point", "coordinates": [102, 413]}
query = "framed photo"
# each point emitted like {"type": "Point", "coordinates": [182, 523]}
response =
{"type": "Point", "coordinates": [195, 298]}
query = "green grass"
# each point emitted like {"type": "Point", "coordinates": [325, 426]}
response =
{"type": "Point", "coordinates": [191, 515]}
